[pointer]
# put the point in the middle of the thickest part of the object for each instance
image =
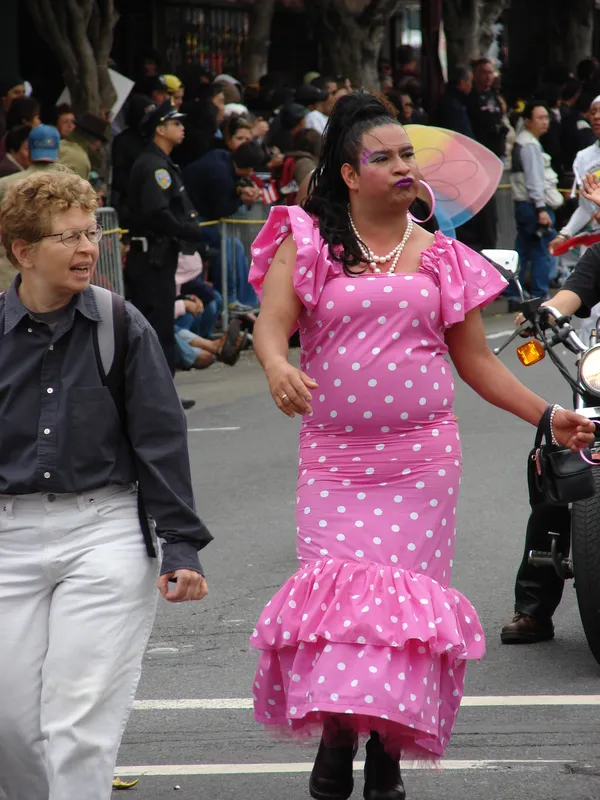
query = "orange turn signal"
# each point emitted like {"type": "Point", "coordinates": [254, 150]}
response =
{"type": "Point", "coordinates": [531, 352]}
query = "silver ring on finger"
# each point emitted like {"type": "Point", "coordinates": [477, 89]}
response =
{"type": "Point", "coordinates": [283, 397]}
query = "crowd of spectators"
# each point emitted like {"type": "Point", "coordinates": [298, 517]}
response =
{"type": "Point", "coordinates": [253, 145]}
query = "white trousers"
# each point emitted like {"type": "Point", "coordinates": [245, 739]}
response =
{"type": "Point", "coordinates": [77, 603]}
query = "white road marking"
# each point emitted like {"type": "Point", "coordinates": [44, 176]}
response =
{"type": "Point", "coordinates": [499, 335]}
{"type": "Point", "coordinates": [272, 769]}
{"type": "Point", "coordinates": [534, 700]}
{"type": "Point", "coordinates": [484, 701]}
{"type": "Point", "coordinates": [202, 430]}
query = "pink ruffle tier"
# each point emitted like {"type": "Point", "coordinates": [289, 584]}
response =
{"type": "Point", "coordinates": [391, 630]}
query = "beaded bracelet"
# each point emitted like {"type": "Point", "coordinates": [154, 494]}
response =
{"type": "Point", "coordinates": [552, 415]}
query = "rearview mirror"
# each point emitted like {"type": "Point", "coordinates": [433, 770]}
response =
{"type": "Point", "coordinates": [505, 261]}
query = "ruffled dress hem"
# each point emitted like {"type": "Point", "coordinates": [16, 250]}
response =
{"type": "Point", "coordinates": [380, 647]}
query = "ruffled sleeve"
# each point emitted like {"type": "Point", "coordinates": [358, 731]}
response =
{"type": "Point", "coordinates": [313, 264]}
{"type": "Point", "coordinates": [466, 279]}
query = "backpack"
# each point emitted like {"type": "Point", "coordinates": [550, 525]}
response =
{"type": "Point", "coordinates": [110, 344]}
{"type": "Point", "coordinates": [110, 337]}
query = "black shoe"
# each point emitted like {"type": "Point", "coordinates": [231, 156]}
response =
{"type": "Point", "coordinates": [187, 403]}
{"type": "Point", "coordinates": [383, 780]}
{"type": "Point", "coordinates": [331, 777]}
{"type": "Point", "coordinates": [523, 629]}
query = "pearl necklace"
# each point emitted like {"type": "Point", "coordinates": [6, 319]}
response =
{"type": "Point", "coordinates": [392, 256]}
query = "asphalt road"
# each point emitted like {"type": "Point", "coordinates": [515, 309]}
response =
{"type": "Point", "coordinates": [244, 481]}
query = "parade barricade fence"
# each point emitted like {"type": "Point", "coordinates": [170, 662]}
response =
{"type": "Point", "coordinates": [505, 208]}
{"type": "Point", "coordinates": [109, 269]}
{"type": "Point", "coordinates": [245, 226]}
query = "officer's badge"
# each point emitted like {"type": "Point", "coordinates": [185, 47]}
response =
{"type": "Point", "coordinates": [163, 178]}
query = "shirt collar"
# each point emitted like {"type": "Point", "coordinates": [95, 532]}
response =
{"type": "Point", "coordinates": [13, 160]}
{"type": "Point", "coordinates": [14, 310]}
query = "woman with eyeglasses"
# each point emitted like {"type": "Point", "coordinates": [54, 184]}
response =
{"type": "Point", "coordinates": [89, 477]}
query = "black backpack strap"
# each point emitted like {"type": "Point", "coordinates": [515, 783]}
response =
{"type": "Point", "coordinates": [110, 336]}
{"type": "Point", "coordinates": [115, 378]}
{"type": "Point", "coordinates": [111, 343]}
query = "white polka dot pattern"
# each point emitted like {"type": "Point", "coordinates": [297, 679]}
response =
{"type": "Point", "coordinates": [381, 636]}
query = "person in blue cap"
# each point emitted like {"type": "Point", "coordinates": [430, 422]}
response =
{"type": "Point", "coordinates": [44, 144]}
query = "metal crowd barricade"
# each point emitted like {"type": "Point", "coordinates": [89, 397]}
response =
{"type": "Point", "coordinates": [505, 207]}
{"type": "Point", "coordinates": [109, 269]}
{"type": "Point", "coordinates": [244, 226]}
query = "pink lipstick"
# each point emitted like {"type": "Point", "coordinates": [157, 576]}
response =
{"type": "Point", "coordinates": [403, 183]}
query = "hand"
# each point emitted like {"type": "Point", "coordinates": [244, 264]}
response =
{"type": "Point", "coordinates": [199, 303]}
{"type": "Point", "coordinates": [276, 161]}
{"type": "Point", "coordinates": [590, 188]}
{"type": "Point", "coordinates": [572, 430]}
{"type": "Point", "coordinates": [249, 194]}
{"type": "Point", "coordinates": [190, 585]}
{"type": "Point", "coordinates": [555, 242]}
{"type": "Point", "coordinates": [289, 388]}
{"type": "Point", "coordinates": [545, 219]}
{"type": "Point", "coordinates": [193, 306]}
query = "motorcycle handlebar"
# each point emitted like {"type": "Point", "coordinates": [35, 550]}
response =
{"type": "Point", "coordinates": [562, 324]}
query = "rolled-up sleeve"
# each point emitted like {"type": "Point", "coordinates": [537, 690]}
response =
{"type": "Point", "coordinates": [158, 434]}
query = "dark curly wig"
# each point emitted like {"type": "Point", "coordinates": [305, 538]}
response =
{"type": "Point", "coordinates": [353, 116]}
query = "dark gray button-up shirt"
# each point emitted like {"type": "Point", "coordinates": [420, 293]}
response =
{"type": "Point", "coordinates": [60, 430]}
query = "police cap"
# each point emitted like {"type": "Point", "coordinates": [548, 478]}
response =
{"type": "Point", "coordinates": [158, 115]}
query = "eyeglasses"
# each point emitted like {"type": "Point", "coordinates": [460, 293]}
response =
{"type": "Point", "coordinates": [72, 236]}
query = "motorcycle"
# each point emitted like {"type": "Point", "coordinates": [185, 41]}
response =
{"type": "Point", "coordinates": [547, 330]}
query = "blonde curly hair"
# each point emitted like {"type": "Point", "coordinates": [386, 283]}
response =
{"type": "Point", "coordinates": [31, 204]}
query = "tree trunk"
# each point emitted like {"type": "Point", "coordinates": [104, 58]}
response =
{"type": "Point", "coordinates": [468, 25]}
{"type": "Point", "coordinates": [573, 29]}
{"type": "Point", "coordinates": [353, 32]}
{"type": "Point", "coordinates": [256, 57]}
{"type": "Point", "coordinates": [490, 12]}
{"type": "Point", "coordinates": [563, 36]}
{"type": "Point", "coordinates": [80, 33]}
{"type": "Point", "coordinates": [461, 18]}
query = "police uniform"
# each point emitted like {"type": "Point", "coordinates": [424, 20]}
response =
{"type": "Point", "coordinates": [163, 223]}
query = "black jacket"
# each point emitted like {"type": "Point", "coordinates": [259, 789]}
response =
{"type": "Point", "coordinates": [576, 135]}
{"type": "Point", "coordinates": [158, 201]}
{"type": "Point", "coordinates": [452, 112]}
{"type": "Point", "coordinates": [126, 149]}
{"type": "Point", "coordinates": [212, 184]}
{"type": "Point", "coordinates": [485, 113]}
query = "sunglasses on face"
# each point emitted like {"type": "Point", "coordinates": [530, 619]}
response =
{"type": "Point", "coordinates": [72, 236]}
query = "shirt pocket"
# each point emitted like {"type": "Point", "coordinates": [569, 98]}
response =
{"type": "Point", "coordinates": [95, 433]}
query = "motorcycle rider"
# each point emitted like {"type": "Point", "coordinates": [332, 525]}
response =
{"type": "Point", "coordinates": [538, 590]}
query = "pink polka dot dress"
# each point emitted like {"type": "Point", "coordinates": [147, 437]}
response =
{"type": "Point", "coordinates": [369, 627]}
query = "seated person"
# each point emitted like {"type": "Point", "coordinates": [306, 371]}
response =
{"type": "Point", "coordinates": [214, 185]}
{"type": "Point", "coordinates": [199, 305]}
{"type": "Point", "coordinates": [193, 351]}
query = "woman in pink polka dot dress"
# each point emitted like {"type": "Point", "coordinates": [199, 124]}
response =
{"type": "Point", "coordinates": [368, 636]}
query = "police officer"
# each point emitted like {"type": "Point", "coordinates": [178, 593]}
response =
{"type": "Point", "coordinates": [162, 220]}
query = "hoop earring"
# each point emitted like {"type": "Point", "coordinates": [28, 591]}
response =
{"type": "Point", "coordinates": [431, 212]}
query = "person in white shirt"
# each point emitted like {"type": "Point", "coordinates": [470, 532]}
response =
{"type": "Point", "coordinates": [316, 101]}
{"type": "Point", "coordinates": [536, 197]}
{"type": "Point", "coordinates": [587, 162]}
